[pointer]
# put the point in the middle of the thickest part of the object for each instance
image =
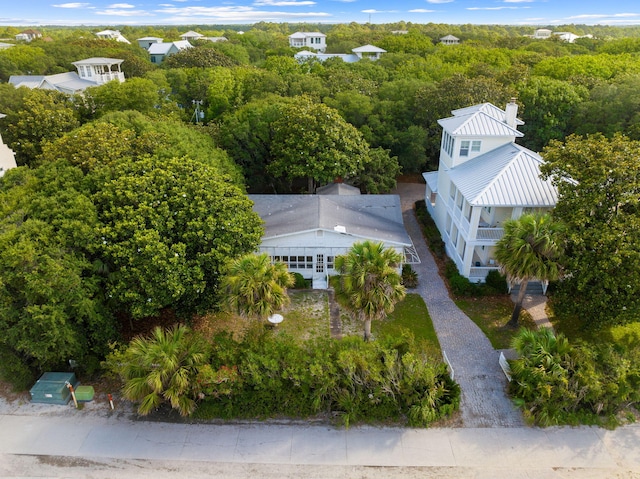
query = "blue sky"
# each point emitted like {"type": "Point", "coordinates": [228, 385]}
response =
{"type": "Point", "coordinates": [180, 12]}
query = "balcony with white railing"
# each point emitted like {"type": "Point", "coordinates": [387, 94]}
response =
{"type": "Point", "coordinates": [103, 78]}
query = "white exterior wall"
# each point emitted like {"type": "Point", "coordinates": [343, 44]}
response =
{"type": "Point", "coordinates": [315, 243]}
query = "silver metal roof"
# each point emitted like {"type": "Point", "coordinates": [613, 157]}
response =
{"type": "Point", "coordinates": [488, 108]}
{"type": "Point", "coordinates": [375, 217]}
{"type": "Point", "coordinates": [506, 176]}
{"type": "Point", "coordinates": [479, 124]}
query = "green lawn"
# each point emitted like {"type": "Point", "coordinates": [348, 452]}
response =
{"type": "Point", "coordinates": [491, 313]}
{"type": "Point", "coordinates": [410, 314]}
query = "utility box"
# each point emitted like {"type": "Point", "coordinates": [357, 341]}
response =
{"type": "Point", "coordinates": [84, 393]}
{"type": "Point", "coordinates": [51, 388]}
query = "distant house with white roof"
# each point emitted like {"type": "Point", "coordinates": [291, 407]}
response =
{"type": "Point", "coordinates": [191, 36]}
{"type": "Point", "coordinates": [28, 35]}
{"type": "Point", "coordinates": [367, 51]}
{"type": "Point", "coordinates": [91, 72]}
{"type": "Point", "coordinates": [159, 51]}
{"type": "Point", "coordinates": [146, 42]}
{"type": "Point", "coordinates": [112, 35]}
{"type": "Point", "coordinates": [4, 46]}
{"type": "Point", "coordinates": [449, 40]}
{"type": "Point", "coordinates": [7, 157]}
{"type": "Point", "coordinates": [542, 34]}
{"type": "Point", "coordinates": [483, 179]}
{"type": "Point", "coordinates": [315, 40]}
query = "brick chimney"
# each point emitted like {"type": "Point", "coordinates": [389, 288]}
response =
{"type": "Point", "coordinates": [510, 113]}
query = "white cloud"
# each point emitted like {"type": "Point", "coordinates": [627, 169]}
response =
{"type": "Point", "coordinates": [121, 5]}
{"type": "Point", "coordinates": [421, 10]}
{"type": "Point", "coordinates": [283, 3]}
{"type": "Point", "coordinates": [125, 13]}
{"type": "Point", "coordinates": [371, 10]}
{"type": "Point", "coordinates": [614, 15]}
{"type": "Point", "coordinates": [231, 14]}
{"type": "Point", "coordinates": [518, 1]}
{"type": "Point", "coordinates": [439, 1]}
{"type": "Point", "coordinates": [71, 5]}
{"type": "Point", "coordinates": [494, 8]}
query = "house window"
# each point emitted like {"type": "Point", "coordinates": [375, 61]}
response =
{"type": "Point", "coordinates": [447, 143]}
{"type": "Point", "coordinates": [464, 147]}
{"type": "Point", "coordinates": [475, 146]}
{"type": "Point", "coordinates": [452, 191]}
{"type": "Point", "coordinates": [331, 261]}
{"type": "Point", "coordinates": [320, 263]}
{"type": "Point", "coordinates": [296, 262]}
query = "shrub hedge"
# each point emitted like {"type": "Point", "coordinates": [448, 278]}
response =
{"type": "Point", "coordinates": [381, 381]}
{"type": "Point", "coordinates": [557, 383]}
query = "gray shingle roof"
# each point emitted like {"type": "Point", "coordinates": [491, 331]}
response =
{"type": "Point", "coordinates": [506, 176]}
{"type": "Point", "coordinates": [376, 217]}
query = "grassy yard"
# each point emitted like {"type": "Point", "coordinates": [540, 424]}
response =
{"type": "Point", "coordinates": [410, 314]}
{"type": "Point", "coordinates": [308, 316]}
{"type": "Point", "coordinates": [491, 313]}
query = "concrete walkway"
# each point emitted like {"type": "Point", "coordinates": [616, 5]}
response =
{"type": "Point", "coordinates": [536, 306]}
{"type": "Point", "coordinates": [485, 402]}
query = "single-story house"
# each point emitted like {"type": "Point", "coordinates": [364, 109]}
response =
{"type": "Point", "coordinates": [307, 232]}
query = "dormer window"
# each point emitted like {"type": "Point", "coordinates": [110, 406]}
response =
{"type": "Point", "coordinates": [466, 145]}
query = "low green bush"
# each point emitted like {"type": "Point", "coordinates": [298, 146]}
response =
{"type": "Point", "coordinates": [409, 276]}
{"type": "Point", "coordinates": [15, 372]}
{"type": "Point", "coordinates": [496, 283]}
{"type": "Point", "coordinates": [557, 383]}
{"type": "Point", "coordinates": [380, 381]}
{"type": "Point", "coordinates": [300, 282]}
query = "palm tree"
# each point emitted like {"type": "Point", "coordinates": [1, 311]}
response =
{"type": "Point", "coordinates": [530, 249]}
{"type": "Point", "coordinates": [370, 281]}
{"type": "Point", "coordinates": [255, 287]}
{"type": "Point", "coordinates": [162, 368]}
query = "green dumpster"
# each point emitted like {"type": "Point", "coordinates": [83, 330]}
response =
{"type": "Point", "coordinates": [51, 388]}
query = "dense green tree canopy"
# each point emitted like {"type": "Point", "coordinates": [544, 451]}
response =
{"type": "Point", "coordinates": [43, 115]}
{"type": "Point", "coordinates": [51, 303]}
{"type": "Point", "coordinates": [176, 219]}
{"type": "Point", "coordinates": [599, 185]}
{"type": "Point", "coordinates": [312, 141]}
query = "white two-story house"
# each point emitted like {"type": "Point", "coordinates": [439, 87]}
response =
{"type": "Point", "coordinates": [483, 179]}
{"type": "Point", "coordinates": [315, 40]}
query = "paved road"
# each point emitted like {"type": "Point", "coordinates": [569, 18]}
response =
{"type": "Point", "coordinates": [89, 445]}
{"type": "Point", "coordinates": [484, 401]}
